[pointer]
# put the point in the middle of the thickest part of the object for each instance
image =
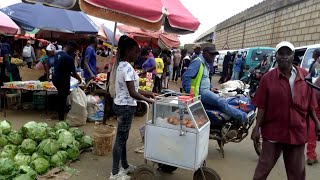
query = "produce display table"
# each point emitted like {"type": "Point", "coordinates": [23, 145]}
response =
{"type": "Point", "coordinates": [32, 88]}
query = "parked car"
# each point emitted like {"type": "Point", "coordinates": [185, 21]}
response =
{"type": "Point", "coordinates": [220, 58]}
{"type": "Point", "coordinates": [253, 56]}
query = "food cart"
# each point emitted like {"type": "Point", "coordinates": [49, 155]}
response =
{"type": "Point", "coordinates": [177, 136]}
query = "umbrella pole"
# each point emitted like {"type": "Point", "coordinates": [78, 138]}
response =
{"type": "Point", "coordinates": [114, 35]}
{"type": "Point", "coordinates": [108, 99]}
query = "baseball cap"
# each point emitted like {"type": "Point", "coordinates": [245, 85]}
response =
{"type": "Point", "coordinates": [51, 47]}
{"type": "Point", "coordinates": [285, 44]}
{"type": "Point", "coordinates": [210, 50]}
{"type": "Point", "coordinates": [196, 46]}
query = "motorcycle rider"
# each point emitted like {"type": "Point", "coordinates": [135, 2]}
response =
{"type": "Point", "coordinates": [263, 65]}
{"type": "Point", "coordinates": [197, 75]}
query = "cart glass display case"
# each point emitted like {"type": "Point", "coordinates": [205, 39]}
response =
{"type": "Point", "coordinates": [178, 132]}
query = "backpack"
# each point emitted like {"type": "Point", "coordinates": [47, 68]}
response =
{"type": "Point", "coordinates": [26, 52]}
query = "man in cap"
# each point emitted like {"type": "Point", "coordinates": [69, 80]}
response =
{"type": "Point", "coordinates": [196, 78]}
{"type": "Point", "coordinates": [197, 51]}
{"type": "Point", "coordinates": [28, 54]}
{"type": "Point", "coordinates": [284, 100]}
{"type": "Point", "coordinates": [312, 142]}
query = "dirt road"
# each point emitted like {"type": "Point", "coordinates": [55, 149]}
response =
{"type": "Point", "coordinates": [239, 162]}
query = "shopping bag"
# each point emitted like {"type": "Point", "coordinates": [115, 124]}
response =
{"type": "Point", "coordinates": [78, 114]}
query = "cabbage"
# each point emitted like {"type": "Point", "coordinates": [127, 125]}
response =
{"type": "Point", "coordinates": [11, 147]}
{"type": "Point", "coordinates": [25, 128]}
{"type": "Point", "coordinates": [60, 131]}
{"type": "Point", "coordinates": [23, 177]}
{"type": "Point", "coordinates": [3, 140]}
{"type": "Point", "coordinates": [34, 131]}
{"type": "Point", "coordinates": [59, 159]}
{"type": "Point", "coordinates": [15, 138]}
{"type": "Point", "coordinates": [61, 125]}
{"type": "Point", "coordinates": [76, 143]}
{"type": "Point", "coordinates": [48, 147]}
{"type": "Point", "coordinates": [28, 146]}
{"type": "Point", "coordinates": [86, 142]}
{"type": "Point", "coordinates": [6, 166]}
{"type": "Point", "coordinates": [43, 124]}
{"type": "Point", "coordinates": [65, 139]}
{"type": "Point", "coordinates": [22, 159]}
{"type": "Point", "coordinates": [5, 126]}
{"type": "Point", "coordinates": [9, 151]}
{"type": "Point", "coordinates": [35, 155]}
{"type": "Point", "coordinates": [28, 171]}
{"type": "Point", "coordinates": [51, 133]}
{"type": "Point", "coordinates": [73, 152]}
{"type": "Point", "coordinates": [77, 133]}
{"type": "Point", "coordinates": [40, 165]}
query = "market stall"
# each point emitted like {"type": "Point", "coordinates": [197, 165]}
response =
{"type": "Point", "coordinates": [33, 86]}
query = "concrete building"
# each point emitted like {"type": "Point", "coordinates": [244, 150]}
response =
{"type": "Point", "coordinates": [268, 23]}
{"type": "Point", "coordinates": [208, 36]}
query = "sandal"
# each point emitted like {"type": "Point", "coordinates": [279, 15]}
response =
{"type": "Point", "coordinates": [140, 150]}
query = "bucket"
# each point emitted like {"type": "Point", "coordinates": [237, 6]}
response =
{"type": "Point", "coordinates": [103, 139]}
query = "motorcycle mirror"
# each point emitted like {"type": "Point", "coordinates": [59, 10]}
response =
{"type": "Point", "coordinates": [313, 79]}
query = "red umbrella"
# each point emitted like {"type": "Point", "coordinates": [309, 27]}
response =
{"type": "Point", "coordinates": [146, 14]}
{"type": "Point", "coordinates": [166, 40]}
{"type": "Point", "coordinates": [7, 25]}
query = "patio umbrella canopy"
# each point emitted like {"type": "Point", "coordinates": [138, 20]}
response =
{"type": "Point", "coordinates": [153, 37]}
{"type": "Point", "coordinates": [109, 35]}
{"type": "Point", "coordinates": [31, 16]}
{"type": "Point", "coordinates": [145, 14]}
{"type": "Point", "coordinates": [7, 26]}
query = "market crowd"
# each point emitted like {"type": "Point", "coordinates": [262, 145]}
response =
{"type": "Point", "coordinates": [288, 108]}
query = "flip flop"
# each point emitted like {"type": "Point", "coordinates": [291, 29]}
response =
{"type": "Point", "coordinates": [140, 150]}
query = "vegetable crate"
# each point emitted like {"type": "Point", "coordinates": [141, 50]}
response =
{"type": "Point", "coordinates": [177, 136]}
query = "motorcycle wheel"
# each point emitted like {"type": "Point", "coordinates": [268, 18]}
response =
{"type": "Point", "coordinates": [258, 146]}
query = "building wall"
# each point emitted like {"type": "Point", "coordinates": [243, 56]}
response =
{"type": "Point", "coordinates": [271, 22]}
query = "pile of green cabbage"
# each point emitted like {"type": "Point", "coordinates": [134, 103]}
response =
{"type": "Point", "coordinates": [36, 148]}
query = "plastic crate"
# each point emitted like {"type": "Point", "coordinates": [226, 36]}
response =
{"type": "Point", "coordinates": [39, 100]}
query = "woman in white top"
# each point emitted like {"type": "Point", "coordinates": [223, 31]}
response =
{"type": "Point", "coordinates": [125, 102]}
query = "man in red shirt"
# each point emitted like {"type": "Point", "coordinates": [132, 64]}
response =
{"type": "Point", "coordinates": [284, 100]}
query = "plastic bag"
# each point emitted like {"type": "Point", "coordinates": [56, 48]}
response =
{"type": "Point", "coordinates": [39, 66]}
{"type": "Point", "coordinates": [92, 104]}
{"type": "Point", "coordinates": [78, 114]}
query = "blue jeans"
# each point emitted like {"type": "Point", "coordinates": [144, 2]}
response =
{"type": "Point", "coordinates": [213, 100]}
{"type": "Point", "coordinates": [235, 76]}
{"type": "Point", "coordinates": [124, 116]}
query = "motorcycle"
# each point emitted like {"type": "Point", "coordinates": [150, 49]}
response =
{"type": "Point", "coordinates": [225, 129]}
{"type": "Point", "coordinates": [252, 79]}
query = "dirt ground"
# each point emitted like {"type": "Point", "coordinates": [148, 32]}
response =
{"type": "Point", "coordinates": [239, 162]}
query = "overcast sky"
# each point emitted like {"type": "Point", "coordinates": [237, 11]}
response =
{"type": "Point", "coordinates": [209, 13]}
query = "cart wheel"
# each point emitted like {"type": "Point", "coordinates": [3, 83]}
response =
{"type": "Point", "coordinates": [141, 110]}
{"type": "Point", "coordinates": [145, 172]}
{"type": "Point", "coordinates": [166, 168]}
{"type": "Point", "coordinates": [208, 173]}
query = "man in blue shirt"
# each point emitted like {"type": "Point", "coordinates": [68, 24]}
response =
{"type": "Point", "coordinates": [208, 97]}
{"type": "Point", "coordinates": [90, 61]}
{"type": "Point", "coordinates": [237, 67]}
